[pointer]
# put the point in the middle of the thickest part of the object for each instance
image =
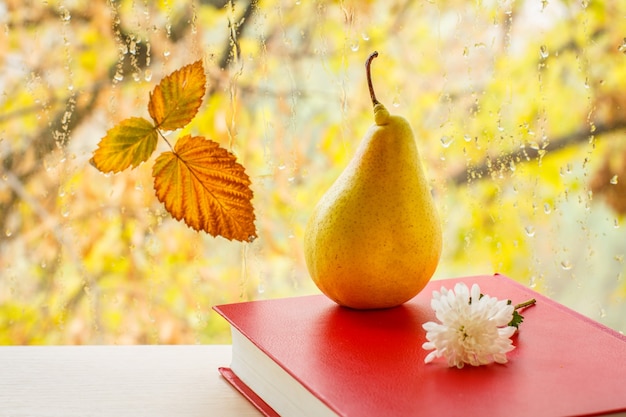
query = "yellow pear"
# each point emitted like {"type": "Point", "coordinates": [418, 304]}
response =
{"type": "Point", "coordinates": [374, 239]}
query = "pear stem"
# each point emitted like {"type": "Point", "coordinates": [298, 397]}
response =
{"type": "Point", "coordinates": [368, 72]}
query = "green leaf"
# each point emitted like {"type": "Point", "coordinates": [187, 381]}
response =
{"type": "Point", "coordinates": [127, 144]}
{"type": "Point", "coordinates": [516, 320]}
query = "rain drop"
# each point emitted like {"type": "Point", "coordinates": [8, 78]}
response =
{"type": "Point", "coordinates": [566, 265]}
{"type": "Point", "coordinates": [366, 37]}
{"type": "Point", "coordinates": [530, 231]}
{"type": "Point", "coordinates": [620, 258]}
{"type": "Point", "coordinates": [446, 141]}
{"type": "Point", "coordinates": [65, 15]}
{"type": "Point", "coordinates": [118, 76]}
{"type": "Point", "coordinates": [354, 45]}
{"type": "Point", "coordinates": [543, 52]}
{"type": "Point", "coordinates": [148, 75]}
{"type": "Point", "coordinates": [622, 47]}
{"type": "Point", "coordinates": [547, 209]}
{"type": "Point", "coordinates": [613, 180]}
{"type": "Point", "coordinates": [8, 233]}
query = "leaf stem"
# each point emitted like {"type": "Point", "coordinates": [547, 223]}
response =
{"type": "Point", "coordinates": [368, 72]}
{"type": "Point", "coordinates": [165, 139]}
{"type": "Point", "coordinates": [525, 304]}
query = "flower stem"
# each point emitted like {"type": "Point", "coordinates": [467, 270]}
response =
{"type": "Point", "coordinates": [525, 304]}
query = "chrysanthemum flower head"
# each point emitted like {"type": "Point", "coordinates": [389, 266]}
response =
{"type": "Point", "coordinates": [473, 327]}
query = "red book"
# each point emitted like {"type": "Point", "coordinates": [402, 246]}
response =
{"type": "Point", "coordinates": [308, 356]}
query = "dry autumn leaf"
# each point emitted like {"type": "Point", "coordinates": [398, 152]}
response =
{"type": "Point", "coordinates": [202, 183]}
{"type": "Point", "coordinates": [129, 143]}
{"type": "Point", "coordinates": [177, 98]}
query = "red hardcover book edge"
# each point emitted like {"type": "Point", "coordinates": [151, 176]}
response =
{"type": "Point", "coordinates": [250, 395]}
{"type": "Point", "coordinates": [493, 287]}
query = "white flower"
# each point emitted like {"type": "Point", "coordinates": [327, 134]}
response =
{"type": "Point", "coordinates": [474, 329]}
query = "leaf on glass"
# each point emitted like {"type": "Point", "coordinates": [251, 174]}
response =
{"type": "Point", "coordinates": [127, 144]}
{"type": "Point", "coordinates": [203, 184]}
{"type": "Point", "coordinates": [177, 98]}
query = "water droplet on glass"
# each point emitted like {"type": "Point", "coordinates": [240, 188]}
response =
{"type": "Point", "coordinates": [620, 258]}
{"type": "Point", "coordinates": [602, 313]}
{"type": "Point", "coordinates": [613, 180]}
{"type": "Point", "coordinates": [543, 52]}
{"type": "Point", "coordinates": [261, 288]}
{"type": "Point", "coordinates": [616, 223]}
{"type": "Point", "coordinates": [354, 45]}
{"type": "Point", "coordinates": [547, 209]}
{"type": "Point", "coordinates": [566, 265]}
{"type": "Point", "coordinates": [166, 53]}
{"type": "Point", "coordinates": [8, 233]}
{"type": "Point", "coordinates": [395, 102]}
{"type": "Point", "coordinates": [512, 165]}
{"type": "Point", "coordinates": [139, 186]}
{"type": "Point", "coordinates": [65, 211]}
{"type": "Point", "coordinates": [118, 76]}
{"type": "Point", "coordinates": [467, 138]}
{"type": "Point", "coordinates": [148, 75]}
{"type": "Point", "coordinates": [622, 47]}
{"type": "Point", "coordinates": [66, 15]}
{"type": "Point", "coordinates": [446, 141]}
{"type": "Point", "coordinates": [530, 231]}
{"type": "Point", "coordinates": [365, 36]}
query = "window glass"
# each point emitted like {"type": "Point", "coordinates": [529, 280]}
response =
{"type": "Point", "coordinates": [517, 107]}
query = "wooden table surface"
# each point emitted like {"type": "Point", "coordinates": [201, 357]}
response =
{"type": "Point", "coordinates": [118, 381]}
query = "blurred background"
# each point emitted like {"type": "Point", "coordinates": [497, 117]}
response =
{"type": "Point", "coordinates": [518, 108]}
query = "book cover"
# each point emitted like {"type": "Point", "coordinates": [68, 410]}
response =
{"type": "Point", "coordinates": [371, 363]}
